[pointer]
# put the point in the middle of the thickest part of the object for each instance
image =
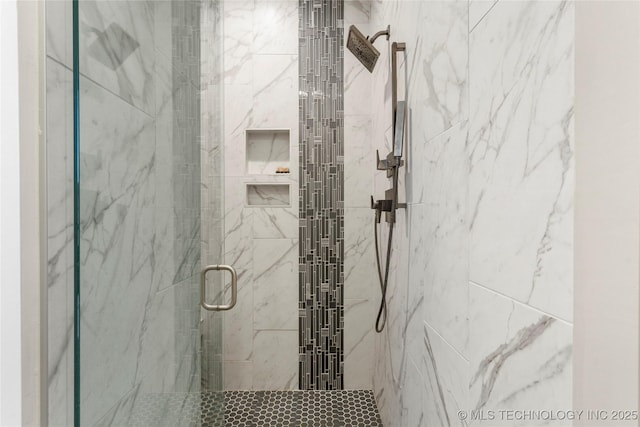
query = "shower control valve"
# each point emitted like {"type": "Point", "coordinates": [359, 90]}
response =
{"type": "Point", "coordinates": [380, 206]}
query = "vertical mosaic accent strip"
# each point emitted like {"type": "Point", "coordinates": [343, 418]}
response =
{"type": "Point", "coordinates": [321, 116]}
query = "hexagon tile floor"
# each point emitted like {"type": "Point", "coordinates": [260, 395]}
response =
{"type": "Point", "coordinates": [335, 408]}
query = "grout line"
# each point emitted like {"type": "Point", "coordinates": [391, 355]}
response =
{"type": "Point", "coordinates": [483, 16]}
{"type": "Point", "coordinates": [57, 61]}
{"type": "Point", "coordinates": [471, 282]}
{"type": "Point", "coordinates": [446, 341]}
{"type": "Point", "coordinates": [451, 128]}
{"type": "Point", "coordinates": [135, 107]}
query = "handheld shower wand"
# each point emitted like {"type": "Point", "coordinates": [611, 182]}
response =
{"type": "Point", "coordinates": [389, 205]}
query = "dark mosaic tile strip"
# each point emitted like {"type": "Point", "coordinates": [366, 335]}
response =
{"type": "Point", "coordinates": [321, 274]}
{"type": "Point", "coordinates": [259, 408]}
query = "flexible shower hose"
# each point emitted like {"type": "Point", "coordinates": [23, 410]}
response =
{"type": "Point", "coordinates": [381, 319]}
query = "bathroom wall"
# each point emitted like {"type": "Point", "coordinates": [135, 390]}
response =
{"type": "Point", "coordinates": [361, 288]}
{"type": "Point", "coordinates": [481, 286]}
{"type": "Point", "coordinates": [260, 84]}
{"type": "Point", "coordinates": [140, 210]}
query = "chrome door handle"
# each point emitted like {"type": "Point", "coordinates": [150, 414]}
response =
{"type": "Point", "coordinates": [203, 288]}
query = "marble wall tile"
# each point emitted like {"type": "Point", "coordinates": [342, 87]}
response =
{"type": "Point", "coordinates": [238, 375]}
{"type": "Point", "coordinates": [359, 320]}
{"type": "Point", "coordinates": [437, 67]}
{"type": "Point", "coordinates": [158, 341]}
{"type": "Point", "coordinates": [443, 262]}
{"type": "Point", "coordinates": [413, 398]}
{"type": "Point", "coordinates": [238, 35]}
{"type": "Point", "coordinates": [260, 91]}
{"type": "Point", "coordinates": [275, 366]}
{"type": "Point", "coordinates": [163, 28]}
{"type": "Point", "coordinates": [521, 149]}
{"type": "Point", "coordinates": [446, 373]}
{"type": "Point", "coordinates": [117, 214]}
{"type": "Point", "coordinates": [59, 31]}
{"type": "Point", "coordinates": [238, 329]}
{"type": "Point", "coordinates": [360, 277]}
{"type": "Point", "coordinates": [117, 49]}
{"type": "Point", "coordinates": [238, 117]}
{"type": "Point", "coordinates": [469, 167]}
{"type": "Point", "coordinates": [275, 26]}
{"type": "Point", "coordinates": [361, 287]}
{"type": "Point", "coordinates": [276, 223]}
{"type": "Point", "coordinates": [59, 243]}
{"type": "Point", "coordinates": [275, 291]}
{"type": "Point", "coordinates": [357, 12]}
{"type": "Point", "coordinates": [519, 357]}
{"type": "Point", "coordinates": [275, 77]}
{"type": "Point", "coordinates": [359, 161]}
{"type": "Point", "coordinates": [165, 273]}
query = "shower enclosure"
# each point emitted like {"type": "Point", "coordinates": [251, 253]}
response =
{"type": "Point", "coordinates": [203, 139]}
{"type": "Point", "coordinates": [141, 102]}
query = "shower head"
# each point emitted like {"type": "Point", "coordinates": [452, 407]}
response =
{"type": "Point", "coordinates": [362, 47]}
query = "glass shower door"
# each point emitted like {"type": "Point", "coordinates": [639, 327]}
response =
{"type": "Point", "coordinates": [141, 240]}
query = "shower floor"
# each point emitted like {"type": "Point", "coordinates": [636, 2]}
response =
{"type": "Point", "coordinates": [258, 408]}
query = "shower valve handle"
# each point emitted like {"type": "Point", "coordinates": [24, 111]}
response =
{"type": "Point", "coordinates": [383, 205]}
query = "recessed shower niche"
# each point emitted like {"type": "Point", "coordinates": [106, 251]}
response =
{"type": "Point", "coordinates": [268, 151]}
{"type": "Point", "coordinates": [268, 195]}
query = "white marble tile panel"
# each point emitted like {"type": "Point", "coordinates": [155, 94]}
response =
{"type": "Point", "coordinates": [59, 44]}
{"type": "Point", "coordinates": [60, 243]}
{"type": "Point", "coordinates": [238, 35]}
{"type": "Point", "coordinates": [238, 330]}
{"type": "Point", "coordinates": [276, 223]}
{"type": "Point", "coordinates": [156, 373]}
{"type": "Point", "coordinates": [275, 366]}
{"type": "Point", "coordinates": [521, 149]}
{"type": "Point", "coordinates": [359, 321]}
{"type": "Point", "coordinates": [359, 161]}
{"type": "Point", "coordinates": [238, 116]}
{"type": "Point", "coordinates": [519, 358]}
{"type": "Point", "coordinates": [357, 12]}
{"type": "Point", "coordinates": [117, 49]}
{"type": "Point", "coordinates": [275, 91]}
{"type": "Point", "coordinates": [275, 284]}
{"type": "Point", "coordinates": [446, 378]}
{"type": "Point", "coordinates": [438, 67]}
{"type": "Point", "coordinates": [275, 26]}
{"type": "Point", "coordinates": [165, 273]}
{"type": "Point", "coordinates": [440, 236]}
{"type": "Point", "coordinates": [117, 197]}
{"type": "Point", "coordinates": [360, 275]}
{"type": "Point", "coordinates": [163, 27]}
{"type": "Point", "coordinates": [412, 398]}
{"type": "Point", "coordinates": [238, 375]}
